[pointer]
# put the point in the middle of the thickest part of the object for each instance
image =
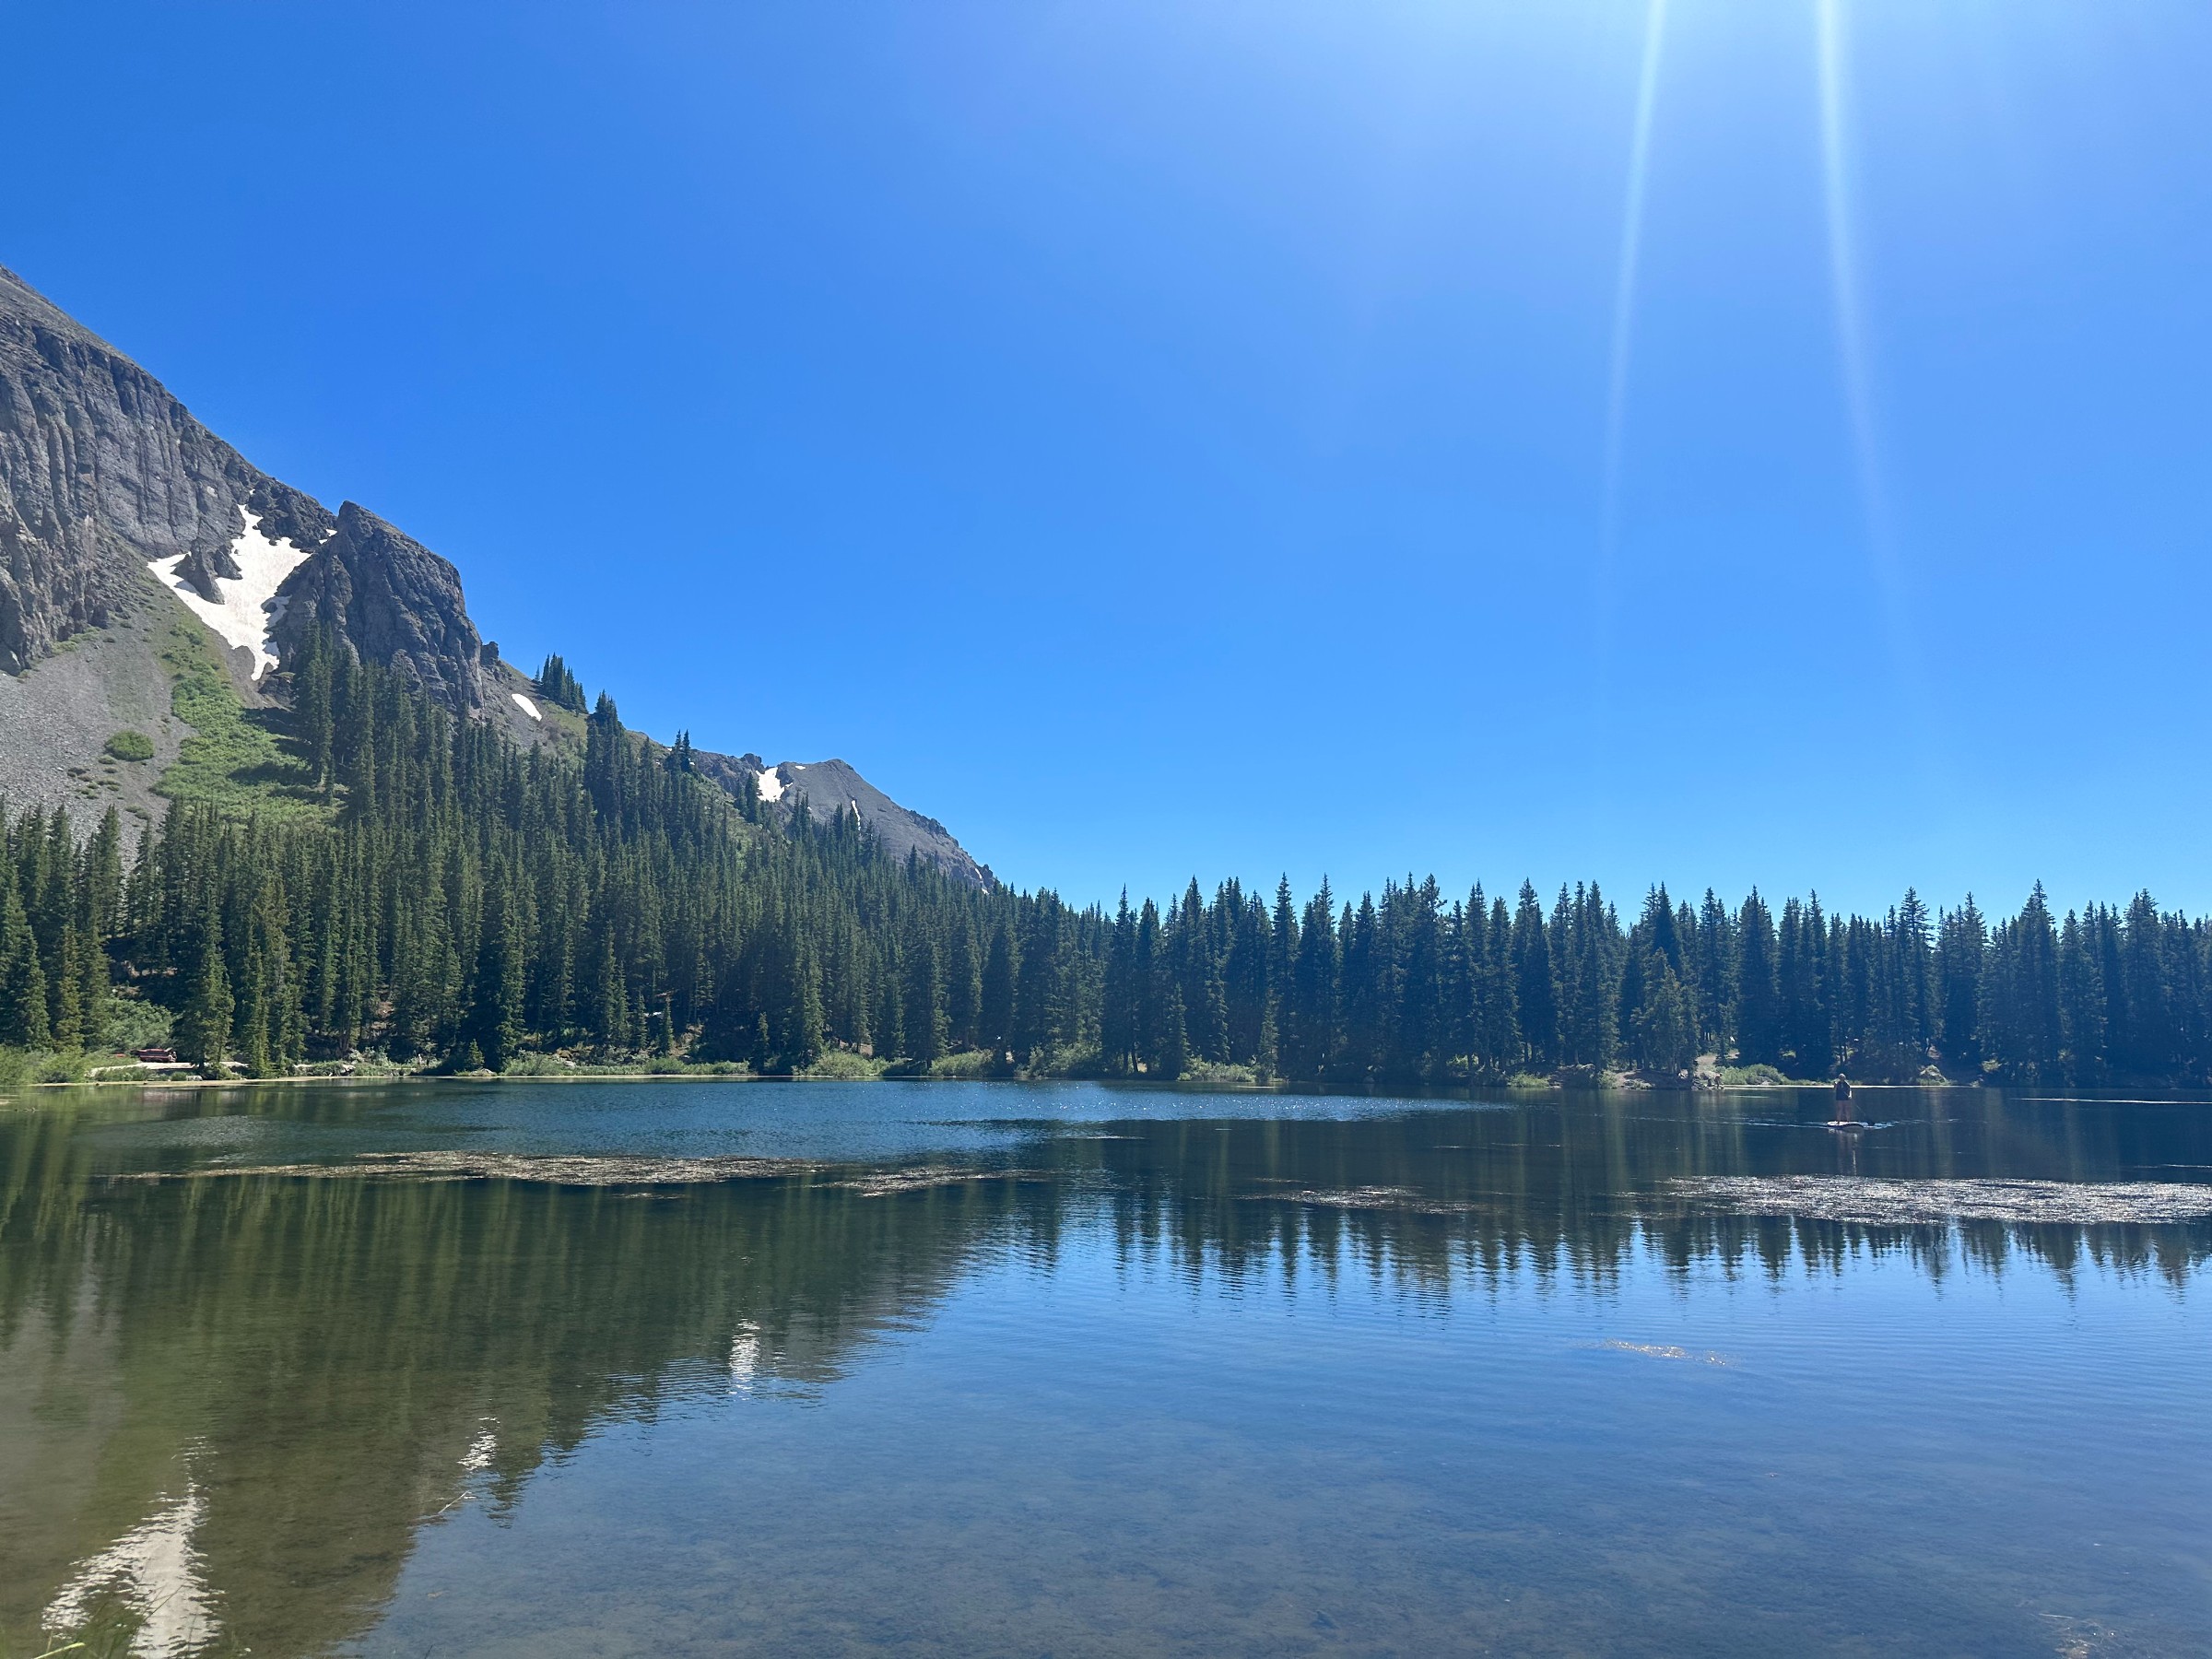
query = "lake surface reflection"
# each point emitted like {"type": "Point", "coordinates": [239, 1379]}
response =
{"type": "Point", "coordinates": [679, 1367]}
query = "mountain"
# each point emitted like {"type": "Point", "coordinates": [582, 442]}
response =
{"type": "Point", "coordinates": [830, 786]}
{"type": "Point", "coordinates": [102, 473]}
{"type": "Point", "coordinates": [155, 584]}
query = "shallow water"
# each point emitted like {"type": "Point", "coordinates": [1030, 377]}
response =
{"type": "Point", "coordinates": [680, 1367]}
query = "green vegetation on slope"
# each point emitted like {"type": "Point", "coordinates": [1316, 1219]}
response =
{"type": "Point", "coordinates": [233, 760]}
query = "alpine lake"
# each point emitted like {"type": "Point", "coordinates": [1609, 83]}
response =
{"type": "Point", "coordinates": [683, 1366]}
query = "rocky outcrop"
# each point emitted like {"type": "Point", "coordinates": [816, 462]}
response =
{"type": "Point", "coordinates": [394, 600]}
{"type": "Point", "coordinates": [102, 472]}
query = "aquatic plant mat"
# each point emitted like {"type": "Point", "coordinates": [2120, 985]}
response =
{"type": "Point", "coordinates": [591, 1172]}
{"type": "Point", "coordinates": [1402, 1200]}
{"type": "Point", "coordinates": [1872, 1203]}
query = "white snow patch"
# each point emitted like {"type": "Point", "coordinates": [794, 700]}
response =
{"type": "Point", "coordinates": [248, 607]}
{"type": "Point", "coordinates": [525, 705]}
{"type": "Point", "coordinates": [155, 1571]}
{"type": "Point", "coordinates": [771, 784]}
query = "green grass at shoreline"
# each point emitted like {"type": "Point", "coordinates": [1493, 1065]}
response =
{"type": "Point", "coordinates": [49, 1069]}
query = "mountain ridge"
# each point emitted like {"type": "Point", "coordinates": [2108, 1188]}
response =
{"type": "Point", "coordinates": [113, 494]}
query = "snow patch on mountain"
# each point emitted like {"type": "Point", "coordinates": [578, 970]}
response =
{"type": "Point", "coordinates": [525, 705]}
{"type": "Point", "coordinates": [246, 609]}
{"type": "Point", "coordinates": [771, 784]}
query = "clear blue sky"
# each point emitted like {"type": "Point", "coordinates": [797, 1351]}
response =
{"type": "Point", "coordinates": [1161, 439]}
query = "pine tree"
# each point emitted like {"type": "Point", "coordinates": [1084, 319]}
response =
{"type": "Point", "coordinates": [1309, 1037]}
{"type": "Point", "coordinates": [556, 684]}
{"type": "Point", "coordinates": [924, 992]}
{"type": "Point", "coordinates": [24, 1021]}
{"type": "Point", "coordinates": [963, 988]}
{"type": "Point", "coordinates": [1961, 944]}
{"type": "Point", "coordinates": [996, 1000]}
{"type": "Point", "coordinates": [495, 1016]}
{"type": "Point", "coordinates": [2148, 1038]}
{"type": "Point", "coordinates": [610, 1000]}
{"type": "Point", "coordinates": [203, 1026]}
{"type": "Point", "coordinates": [1534, 987]}
{"type": "Point", "coordinates": [1758, 1002]}
{"type": "Point", "coordinates": [1667, 1033]}
{"type": "Point", "coordinates": [1120, 1000]}
{"type": "Point", "coordinates": [2080, 1003]}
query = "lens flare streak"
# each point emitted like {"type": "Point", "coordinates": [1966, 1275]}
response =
{"type": "Point", "coordinates": [1631, 253]}
{"type": "Point", "coordinates": [1851, 341]}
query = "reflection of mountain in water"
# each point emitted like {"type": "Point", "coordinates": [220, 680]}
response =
{"type": "Point", "coordinates": [322, 1365]}
{"type": "Point", "coordinates": [236, 1396]}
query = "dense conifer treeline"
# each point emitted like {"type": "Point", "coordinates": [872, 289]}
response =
{"type": "Point", "coordinates": [468, 903]}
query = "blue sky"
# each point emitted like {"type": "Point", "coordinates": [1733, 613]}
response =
{"type": "Point", "coordinates": [1173, 438]}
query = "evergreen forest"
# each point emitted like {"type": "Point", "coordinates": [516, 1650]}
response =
{"type": "Point", "coordinates": [457, 903]}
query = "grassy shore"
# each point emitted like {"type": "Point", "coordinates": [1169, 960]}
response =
{"type": "Point", "coordinates": [45, 1068]}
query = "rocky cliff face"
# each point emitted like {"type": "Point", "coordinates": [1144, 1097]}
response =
{"type": "Point", "coordinates": [104, 474]}
{"type": "Point", "coordinates": [394, 599]}
{"type": "Point", "coordinates": [101, 472]}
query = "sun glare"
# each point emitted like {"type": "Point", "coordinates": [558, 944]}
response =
{"type": "Point", "coordinates": [1624, 310]}
{"type": "Point", "coordinates": [1851, 327]}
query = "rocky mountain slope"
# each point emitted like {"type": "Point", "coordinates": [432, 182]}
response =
{"type": "Point", "coordinates": [121, 515]}
{"type": "Point", "coordinates": [830, 786]}
{"type": "Point", "coordinates": [104, 477]}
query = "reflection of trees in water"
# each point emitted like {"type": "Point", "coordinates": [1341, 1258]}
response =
{"type": "Point", "coordinates": [329, 1363]}
{"type": "Point", "coordinates": [1435, 1198]}
{"type": "Point", "coordinates": [319, 1366]}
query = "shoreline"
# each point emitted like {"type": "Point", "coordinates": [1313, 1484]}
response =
{"type": "Point", "coordinates": [1622, 1085]}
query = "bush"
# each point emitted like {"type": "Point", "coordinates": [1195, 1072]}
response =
{"type": "Point", "coordinates": [843, 1065]}
{"type": "Point", "coordinates": [1762, 1075]}
{"type": "Point", "coordinates": [969, 1063]}
{"type": "Point", "coordinates": [533, 1065]}
{"type": "Point", "coordinates": [20, 1067]}
{"type": "Point", "coordinates": [134, 1023]}
{"type": "Point", "coordinates": [131, 745]}
{"type": "Point", "coordinates": [1223, 1074]}
{"type": "Point", "coordinates": [65, 1067]}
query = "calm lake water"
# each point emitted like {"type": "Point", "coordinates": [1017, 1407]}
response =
{"type": "Point", "coordinates": [649, 1368]}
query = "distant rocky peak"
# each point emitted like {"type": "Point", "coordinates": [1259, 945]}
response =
{"type": "Point", "coordinates": [830, 788]}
